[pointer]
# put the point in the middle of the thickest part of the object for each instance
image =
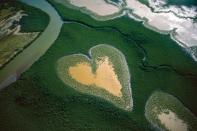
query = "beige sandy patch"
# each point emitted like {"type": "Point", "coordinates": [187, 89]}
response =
{"type": "Point", "coordinates": [166, 21]}
{"type": "Point", "coordinates": [170, 120]}
{"type": "Point", "coordinates": [104, 77]}
{"type": "Point", "coordinates": [100, 7]}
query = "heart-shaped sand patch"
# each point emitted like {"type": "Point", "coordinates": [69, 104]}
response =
{"type": "Point", "coordinates": [105, 74]}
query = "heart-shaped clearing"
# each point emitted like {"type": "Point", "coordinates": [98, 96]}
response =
{"type": "Point", "coordinates": [99, 76]}
{"type": "Point", "coordinates": [104, 77]}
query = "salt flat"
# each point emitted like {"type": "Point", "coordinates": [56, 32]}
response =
{"type": "Point", "coordinates": [185, 30]}
{"type": "Point", "coordinates": [100, 7]}
{"type": "Point", "coordinates": [172, 122]}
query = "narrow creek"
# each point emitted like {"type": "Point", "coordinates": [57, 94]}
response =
{"type": "Point", "coordinates": [25, 59]}
{"type": "Point", "coordinates": [144, 64]}
{"type": "Point", "coordinates": [11, 72]}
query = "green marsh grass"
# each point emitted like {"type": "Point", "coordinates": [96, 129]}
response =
{"type": "Point", "coordinates": [120, 68]}
{"type": "Point", "coordinates": [155, 63]}
{"type": "Point", "coordinates": [160, 102]}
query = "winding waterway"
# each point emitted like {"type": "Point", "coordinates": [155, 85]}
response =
{"type": "Point", "coordinates": [25, 59]}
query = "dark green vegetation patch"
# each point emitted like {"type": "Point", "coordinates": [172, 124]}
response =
{"type": "Point", "coordinates": [120, 68]}
{"type": "Point", "coordinates": [41, 101]}
{"type": "Point", "coordinates": [35, 21]}
{"type": "Point", "coordinates": [160, 102]}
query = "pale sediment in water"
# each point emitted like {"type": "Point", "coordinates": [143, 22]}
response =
{"type": "Point", "coordinates": [178, 21]}
{"type": "Point", "coordinates": [170, 120]}
{"type": "Point", "coordinates": [104, 77]}
{"type": "Point", "coordinates": [185, 30]}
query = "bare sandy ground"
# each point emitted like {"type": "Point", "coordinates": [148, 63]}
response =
{"type": "Point", "coordinates": [104, 77]}
{"type": "Point", "coordinates": [100, 7]}
{"type": "Point", "coordinates": [181, 11]}
{"type": "Point", "coordinates": [185, 29]}
{"type": "Point", "coordinates": [11, 39]}
{"type": "Point", "coordinates": [178, 21]}
{"type": "Point", "coordinates": [174, 20]}
{"type": "Point", "coordinates": [170, 120]}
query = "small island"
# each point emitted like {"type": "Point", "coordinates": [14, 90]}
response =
{"type": "Point", "coordinates": [105, 74]}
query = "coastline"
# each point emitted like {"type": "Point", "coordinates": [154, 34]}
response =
{"type": "Point", "coordinates": [174, 32]}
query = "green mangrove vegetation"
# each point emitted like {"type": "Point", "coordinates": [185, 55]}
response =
{"type": "Point", "coordinates": [35, 20]}
{"type": "Point", "coordinates": [42, 101]}
{"type": "Point", "coordinates": [119, 66]}
{"type": "Point", "coordinates": [160, 105]}
{"type": "Point", "coordinates": [19, 26]}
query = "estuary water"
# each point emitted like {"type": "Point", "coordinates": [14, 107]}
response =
{"type": "Point", "coordinates": [25, 59]}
